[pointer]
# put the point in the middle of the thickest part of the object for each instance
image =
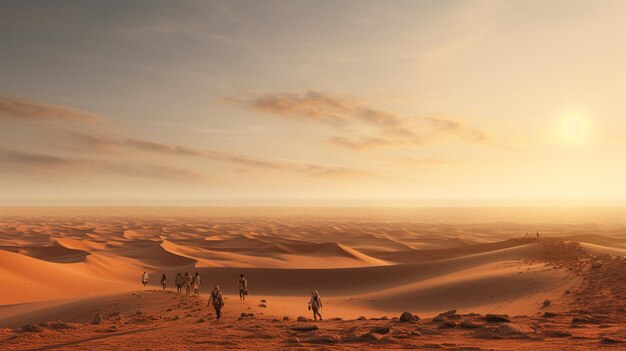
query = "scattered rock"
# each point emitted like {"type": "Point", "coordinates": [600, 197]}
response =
{"type": "Point", "coordinates": [31, 328]}
{"type": "Point", "coordinates": [285, 318]}
{"type": "Point", "coordinates": [503, 331]}
{"type": "Point", "coordinates": [97, 319]}
{"type": "Point", "coordinates": [325, 339]}
{"type": "Point", "coordinates": [169, 310]}
{"type": "Point", "coordinates": [470, 325]}
{"type": "Point", "coordinates": [370, 337]}
{"type": "Point", "coordinates": [361, 318]}
{"type": "Point", "coordinates": [59, 325]}
{"type": "Point", "coordinates": [596, 265]}
{"type": "Point", "coordinates": [558, 333]}
{"type": "Point", "coordinates": [448, 313]}
{"type": "Point", "coordinates": [304, 327]}
{"type": "Point", "coordinates": [250, 315]}
{"type": "Point", "coordinates": [408, 317]}
{"type": "Point", "coordinates": [381, 329]}
{"type": "Point", "coordinates": [497, 318]}
{"type": "Point", "coordinates": [176, 317]}
{"type": "Point", "coordinates": [263, 301]}
{"type": "Point", "coordinates": [447, 324]}
{"type": "Point", "coordinates": [302, 319]}
{"type": "Point", "coordinates": [585, 320]}
{"type": "Point", "coordinates": [243, 315]}
{"type": "Point", "coordinates": [549, 314]}
{"type": "Point", "coordinates": [546, 303]}
{"type": "Point", "coordinates": [262, 305]}
{"type": "Point", "coordinates": [201, 320]}
{"type": "Point", "coordinates": [610, 340]}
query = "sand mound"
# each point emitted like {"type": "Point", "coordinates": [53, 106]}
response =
{"type": "Point", "coordinates": [52, 253]}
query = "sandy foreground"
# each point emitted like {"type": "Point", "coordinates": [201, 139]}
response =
{"type": "Point", "coordinates": [69, 279]}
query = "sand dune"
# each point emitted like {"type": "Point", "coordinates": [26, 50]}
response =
{"type": "Point", "coordinates": [62, 266]}
{"type": "Point", "coordinates": [384, 261]}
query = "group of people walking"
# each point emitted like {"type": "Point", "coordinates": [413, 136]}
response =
{"type": "Point", "coordinates": [217, 298]}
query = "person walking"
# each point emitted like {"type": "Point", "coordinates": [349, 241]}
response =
{"type": "Point", "coordinates": [164, 281]}
{"type": "Point", "coordinates": [144, 279]}
{"type": "Point", "coordinates": [187, 282]}
{"type": "Point", "coordinates": [196, 284]}
{"type": "Point", "coordinates": [243, 287]}
{"type": "Point", "coordinates": [315, 304]}
{"type": "Point", "coordinates": [179, 282]}
{"type": "Point", "coordinates": [217, 299]}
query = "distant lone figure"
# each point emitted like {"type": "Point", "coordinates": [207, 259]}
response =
{"type": "Point", "coordinates": [164, 281]}
{"type": "Point", "coordinates": [218, 301]}
{"type": "Point", "coordinates": [315, 304]}
{"type": "Point", "coordinates": [243, 287]}
{"type": "Point", "coordinates": [187, 282]}
{"type": "Point", "coordinates": [144, 279]}
{"type": "Point", "coordinates": [179, 282]}
{"type": "Point", "coordinates": [196, 284]}
{"type": "Point", "coordinates": [538, 235]}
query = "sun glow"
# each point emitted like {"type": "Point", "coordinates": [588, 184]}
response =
{"type": "Point", "coordinates": [574, 128]}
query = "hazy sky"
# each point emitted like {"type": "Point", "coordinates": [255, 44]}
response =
{"type": "Point", "coordinates": [312, 102]}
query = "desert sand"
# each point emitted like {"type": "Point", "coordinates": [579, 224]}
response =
{"type": "Point", "coordinates": [471, 279]}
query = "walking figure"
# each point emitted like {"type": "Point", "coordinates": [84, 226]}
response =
{"type": "Point", "coordinates": [315, 304]}
{"type": "Point", "coordinates": [163, 281]}
{"type": "Point", "coordinates": [196, 284]}
{"type": "Point", "coordinates": [179, 282]}
{"type": "Point", "coordinates": [144, 279]}
{"type": "Point", "coordinates": [218, 301]}
{"type": "Point", "coordinates": [187, 282]}
{"type": "Point", "coordinates": [243, 287]}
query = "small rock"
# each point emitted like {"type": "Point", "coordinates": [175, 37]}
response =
{"type": "Point", "coordinates": [302, 319]}
{"type": "Point", "coordinates": [546, 303]}
{"type": "Point", "coordinates": [31, 328]}
{"type": "Point", "coordinates": [285, 318]}
{"type": "Point", "coordinates": [448, 313]}
{"type": "Point", "coordinates": [470, 325]}
{"type": "Point", "coordinates": [262, 305]}
{"type": "Point", "coordinates": [97, 319]}
{"type": "Point", "coordinates": [263, 301]}
{"type": "Point", "coordinates": [549, 314]}
{"type": "Point", "coordinates": [176, 317]}
{"type": "Point", "coordinates": [558, 333]}
{"type": "Point", "coordinates": [610, 340]}
{"type": "Point", "coordinates": [325, 339]}
{"type": "Point", "coordinates": [408, 317]}
{"type": "Point", "coordinates": [370, 337]}
{"type": "Point", "coordinates": [381, 329]}
{"type": "Point", "coordinates": [361, 318]}
{"type": "Point", "coordinates": [447, 324]}
{"type": "Point", "coordinates": [497, 318]}
{"type": "Point", "coordinates": [304, 327]}
{"type": "Point", "coordinates": [60, 325]}
{"type": "Point", "coordinates": [201, 320]}
{"type": "Point", "coordinates": [243, 315]}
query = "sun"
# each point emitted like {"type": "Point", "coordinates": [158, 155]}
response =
{"type": "Point", "coordinates": [574, 128]}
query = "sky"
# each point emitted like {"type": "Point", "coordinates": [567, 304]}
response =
{"type": "Point", "coordinates": [372, 103]}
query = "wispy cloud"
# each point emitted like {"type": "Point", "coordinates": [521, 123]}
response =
{"type": "Point", "coordinates": [390, 129]}
{"type": "Point", "coordinates": [310, 169]}
{"type": "Point", "coordinates": [37, 163]}
{"type": "Point", "coordinates": [27, 110]}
